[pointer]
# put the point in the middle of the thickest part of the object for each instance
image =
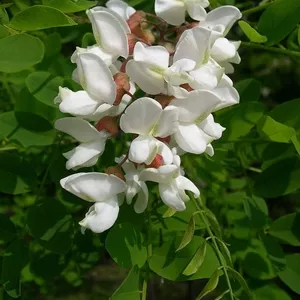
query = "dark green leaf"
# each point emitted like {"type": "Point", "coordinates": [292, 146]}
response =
{"type": "Point", "coordinates": [12, 59]}
{"type": "Point", "coordinates": [196, 261]}
{"type": "Point", "coordinates": [88, 40]}
{"type": "Point", "coordinates": [278, 20]}
{"type": "Point", "coordinates": [188, 235]}
{"type": "Point", "coordinates": [69, 6]}
{"type": "Point", "coordinates": [129, 290]}
{"type": "Point", "coordinates": [7, 229]}
{"type": "Point", "coordinates": [270, 183]}
{"type": "Point", "coordinates": [287, 229]}
{"type": "Point", "coordinates": [40, 17]}
{"type": "Point", "coordinates": [251, 33]}
{"type": "Point", "coordinates": [125, 244]}
{"type": "Point", "coordinates": [3, 32]}
{"type": "Point", "coordinates": [210, 286]}
{"type": "Point", "coordinates": [249, 90]}
{"type": "Point", "coordinates": [51, 225]}
{"type": "Point", "coordinates": [257, 211]}
{"type": "Point", "coordinates": [270, 291]}
{"type": "Point", "coordinates": [52, 44]}
{"type": "Point", "coordinates": [15, 258]}
{"type": "Point", "coordinates": [9, 126]}
{"type": "Point", "coordinates": [238, 277]}
{"type": "Point", "coordinates": [170, 264]}
{"type": "Point", "coordinates": [44, 87]}
{"type": "Point", "coordinates": [291, 275]}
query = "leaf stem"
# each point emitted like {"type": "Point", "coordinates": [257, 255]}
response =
{"type": "Point", "coordinates": [256, 9]}
{"type": "Point", "coordinates": [213, 238]}
{"type": "Point", "coordinates": [144, 291]}
{"type": "Point", "coordinates": [271, 49]}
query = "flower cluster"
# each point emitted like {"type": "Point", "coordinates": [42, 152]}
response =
{"type": "Point", "coordinates": [181, 67]}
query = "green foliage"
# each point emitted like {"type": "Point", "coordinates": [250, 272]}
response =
{"type": "Point", "coordinates": [251, 33]}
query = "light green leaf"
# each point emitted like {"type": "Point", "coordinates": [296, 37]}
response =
{"type": "Point", "coordinates": [3, 32]}
{"type": "Point", "coordinates": [251, 33]}
{"type": "Point", "coordinates": [225, 252]}
{"type": "Point", "coordinates": [44, 86]}
{"type": "Point", "coordinates": [5, 5]}
{"type": "Point", "coordinates": [16, 176]}
{"type": "Point", "coordinates": [13, 60]}
{"type": "Point", "coordinates": [170, 264]}
{"type": "Point", "coordinates": [279, 19]}
{"type": "Point", "coordinates": [270, 183]}
{"type": "Point", "coordinates": [15, 258]}
{"type": "Point", "coordinates": [88, 40]}
{"type": "Point", "coordinates": [291, 275]}
{"type": "Point", "coordinates": [287, 229]}
{"type": "Point", "coordinates": [210, 286]}
{"type": "Point", "coordinates": [69, 6]}
{"type": "Point", "coordinates": [238, 277]}
{"type": "Point", "coordinates": [129, 289]}
{"type": "Point", "coordinates": [7, 229]}
{"type": "Point", "coordinates": [216, 228]}
{"type": "Point", "coordinates": [196, 261]}
{"type": "Point", "coordinates": [49, 223]}
{"type": "Point", "coordinates": [40, 17]}
{"type": "Point", "coordinates": [257, 211]}
{"type": "Point", "coordinates": [270, 291]}
{"type": "Point", "coordinates": [125, 244]}
{"type": "Point", "coordinates": [9, 126]}
{"type": "Point", "coordinates": [273, 131]}
{"type": "Point", "coordinates": [188, 235]}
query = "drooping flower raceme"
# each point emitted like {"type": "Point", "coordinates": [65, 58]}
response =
{"type": "Point", "coordinates": [179, 70]}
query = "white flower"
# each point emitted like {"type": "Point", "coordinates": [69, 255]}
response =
{"type": "Point", "coordinates": [150, 70]}
{"type": "Point", "coordinates": [135, 186]}
{"type": "Point", "coordinates": [92, 142]}
{"type": "Point", "coordinates": [95, 77]}
{"type": "Point", "coordinates": [121, 8]}
{"type": "Point", "coordinates": [172, 184]}
{"type": "Point", "coordinates": [196, 127]}
{"type": "Point", "coordinates": [100, 188]}
{"type": "Point", "coordinates": [173, 11]}
{"type": "Point", "coordinates": [147, 118]}
{"type": "Point", "coordinates": [110, 31]}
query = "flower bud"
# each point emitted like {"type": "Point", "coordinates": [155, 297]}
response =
{"type": "Point", "coordinates": [108, 124]}
{"type": "Point", "coordinates": [117, 171]}
{"type": "Point", "coordinates": [157, 162]}
{"type": "Point", "coordinates": [187, 87]}
{"type": "Point", "coordinates": [166, 139]}
{"type": "Point", "coordinates": [164, 100]}
{"type": "Point", "coordinates": [132, 40]}
{"type": "Point", "coordinates": [122, 86]}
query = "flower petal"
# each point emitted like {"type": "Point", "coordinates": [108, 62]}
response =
{"type": "Point", "coordinates": [195, 9]}
{"type": "Point", "coordinates": [142, 200]}
{"type": "Point", "coordinates": [121, 8]}
{"type": "Point", "coordinates": [171, 197]}
{"type": "Point", "coordinates": [209, 127]}
{"type": "Point", "coordinates": [168, 122]}
{"type": "Point", "coordinates": [163, 174]}
{"type": "Point", "coordinates": [93, 187]}
{"type": "Point", "coordinates": [184, 183]}
{"type": "Point", "coordinates": [101, 216]}
{"type": "Point", "coordinates": [141, 116]}
{"type": "Point", "coordinates": [222, 50]}
{"type": "Point", "coordinates": [96, 78]}
{"type": "Point", "coordinates": [172, 11]}
{"type": "Point", "coordinates": [79, 129]}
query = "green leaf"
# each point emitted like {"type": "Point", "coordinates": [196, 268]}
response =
{"type": "Point", "coordinates": [215, 226]}
{"type": "Point", "coordinates": [7, 229]}
{"type": "Point", "coordinates": [52, 44]}
{"type": "Point", "coordinates": [44, 86]}
{"type": "Point", "coordinates": [88, 40]}
{"type": "Point", "coordinates": [257, 211]}
{"type": "Point", "coordinates": [33, 114]}
{"type": "Point", "coordinates": [210, 286]}
{"type": "Point", "coordinates": [51, 225]}
{"type": "Point", "coordinates": [13, 60]}
{"type": "Point", "coordinates": [39, 17]}
{"type": "Point", "coordinates": [69, 6]}
{"type": "Point", "coordinates": [9, 126]}
{"type": "Point", "coordinates": [238, 277]}
{"type": "Point", "coordinates": [279, 19]}
{"type": "Point", "coordinates": [5, 5]}
{"type": "Point", "coordinates": [270, 183]}
{"type": "Point", "coordinates": [274, 131]}
{"type": "Point", "coordinates": [188, 235]}
{"type": "Point", "coordinates": [291, 275]}
{"type": "Point", "coordinates": [225, 252]}
{"type": "Point", "coordinates": [16, 176]}
{"type": "Point", "coordinates": [299, 36]}
{"type": "Point", "coordinates": [287, 229]}
{"type": "Point", "coordinates": [15, 258]}
{"type": "Point", "coordinates": [169, 212]}
{"type": "Point", "coordinates": [125, 244]}
{"type": "Point", "coordinates": [270, 291]}
{"type": "Point", "coordinates": [129, 289]}
{"type": "Point", "coordinates": [169, 264]}
{"type": "Point", "coordinates": [251, 33]}
{"type": "Point", "coordinates": [3, 32]}
{"type": "Point", "coordinates": [249, 90]}
{"type": "Point", "coordinates": [196, 261]}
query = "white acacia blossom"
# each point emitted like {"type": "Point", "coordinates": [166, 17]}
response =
{"type": "Point", "coordinates": [181, 79]}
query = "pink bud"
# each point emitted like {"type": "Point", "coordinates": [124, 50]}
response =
{"type": "Point", "coordinates": [166, 139]}
{"type": "Point", "coordinates": [108, 124]}
{"type": "Point", "coordinates": [164, 100]}
{"type": "Point", "coordinates": [157, 162]}
{"type": "Point", "coordinates": [187, 87]}
{"type": "Point", "coordinates": [117, 171]}
{"type": "Point", "coordinates": [122, 86]}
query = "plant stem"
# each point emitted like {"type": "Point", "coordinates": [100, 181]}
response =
{"type": "Point", "coordinates": [213, 238]}
{"type": "Point", "coordinates": [271, 49]}
{"type": "Point", "coordinates": [144, 292]}
{"type": "Point", "coordinates": [256, 9]}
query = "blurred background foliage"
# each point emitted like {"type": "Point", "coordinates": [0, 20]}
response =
{"type": "Point", "coordinates": [251, 184]}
